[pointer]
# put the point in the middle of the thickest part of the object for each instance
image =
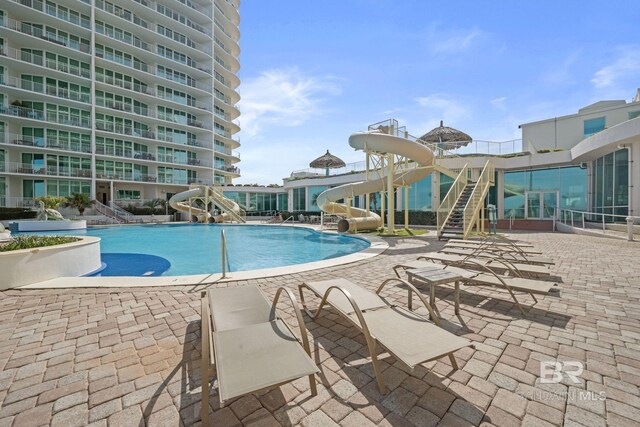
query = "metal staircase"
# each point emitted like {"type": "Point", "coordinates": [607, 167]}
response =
{"type": "Point", "coordinates": [454, 226]}
{"type": "Point", "coordinates": [227, 206]}
{"type": "Point", "coordinates": [462, 207]}
{"type": "Point", "coordinates": [118, 215]}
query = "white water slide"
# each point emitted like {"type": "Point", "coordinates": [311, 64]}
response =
{"type": "Point", "coordinates": [361, 219]}
{"type": "Point", "coordinates": [231, 210]}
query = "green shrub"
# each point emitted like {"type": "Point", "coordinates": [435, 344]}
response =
{"type": "Point", "coordinates": [30, 242]}
{"type": "Point", "coordinates": [51, 202]}
{"type": "Point", "coordinates": [544, 150]}
{"type": "Point", "coordinates": [16, 213]}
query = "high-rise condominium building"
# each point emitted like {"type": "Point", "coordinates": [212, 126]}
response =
{"type": "Point", "coordinates": [120, 100]}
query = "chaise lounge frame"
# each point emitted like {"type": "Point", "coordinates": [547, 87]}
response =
{"type": "Point", "coordinates": [372, 341]}
{"type": "Point", "coordinates": [210, 361]}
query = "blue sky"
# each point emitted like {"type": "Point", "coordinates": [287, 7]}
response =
{"type": "Point", "coordinates": [313, 72]}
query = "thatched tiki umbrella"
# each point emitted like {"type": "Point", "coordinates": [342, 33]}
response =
{"type": "Point", "coordinates": [327, 161]}
{"type": "Point", "coordinates": [446, 138]}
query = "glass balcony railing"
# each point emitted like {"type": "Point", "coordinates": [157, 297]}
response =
{"type": "Point", "coordinates": [53, 117]}
{"type": "Point", "coordinates": [47, 170]}
{"type": "Point", "coordinates": [64, 144]}
{"type": "Point", "coordinates": [36, 87]}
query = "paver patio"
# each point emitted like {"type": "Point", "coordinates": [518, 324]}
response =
{"type": "Point", "coordinates": [130, 357]}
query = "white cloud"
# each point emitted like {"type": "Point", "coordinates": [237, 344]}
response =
{"type": "Point", "coordinates": [442, 107]}
{"type": "Point", "coordinates": [457, 41]}
{"type": "Point", "coordinates": [626, 65]}
{"type": "Point", "coordinates": [499, 102]}
{"type": "Point", "coordinates": [283, 97]}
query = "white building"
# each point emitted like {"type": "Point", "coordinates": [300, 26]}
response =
{"type": "Point", "coordinates": [588, 161]}
{"type": "Point", "coordinates": [126, 100]}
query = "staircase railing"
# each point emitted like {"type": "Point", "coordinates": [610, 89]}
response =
{"type": "Point", "coordinates": [107, 211]}
{"type": "Point", "coordinates": [121, 213]}
{"type": "Point", "coordinates": [476, 199]}
{"type": "Point", "coordinates": [228, 206]}
{"type": "Point", "coordinates": [449, 201]}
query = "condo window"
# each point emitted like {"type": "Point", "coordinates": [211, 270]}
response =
{"type": "Point", "coordinates": [592, 126]}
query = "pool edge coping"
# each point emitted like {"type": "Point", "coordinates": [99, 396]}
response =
{"type": "Point", "coordinates": [377, 247]}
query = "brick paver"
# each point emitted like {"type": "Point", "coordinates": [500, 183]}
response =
{"type": "Point", "coordinates": [120, 357]}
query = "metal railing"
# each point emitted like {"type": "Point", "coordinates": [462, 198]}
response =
{"type": "Point", "coordinates": [106, 211]}
{"type": "Point", "coordinates": [581, 218]}
{"type": "Point", "coordinates": [152, 70]}
{"type": "Point", "coordinates": [31, 169]}
{"type": "Point", "coordinates": [449, 202]}
{"type": "Point", "coordinates": [46, 142]}
{"type": "Point", "coordinates": [149, 113]}
{"type": "Point", "coordinates": [27, 28]}
{"type": "Point", "coordinates": [476, 200]}
{"type": "Point", "coordinates": [31, 86]}
{"type": "Point", "coordinates": [228, 205]}
{"type": "Point", "coordinates": [44, 62]}
{"type": "Point", "coordinates": [224, 254]}
{"type": "Point", "coordinates": [121, 213]}
{"type": "Point", "coordinates": [53, 117]}
{"type": "Point", "coordinates": [40, 6]}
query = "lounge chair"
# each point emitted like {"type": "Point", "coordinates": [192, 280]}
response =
{"type": "Point", "coordinates": [409, 337]}
{"type": "Point", "coordinates": [492, 242]}
{"type": "Point", "coordinates": [487, 277]}
{"type": "Point", "coordinates": [493, 247]}
{"type": "Point", "coordinates": [510, 256]}
{"type": "Point", "coordinates": [251, 347]}
{"type": "Point", "coordinates": [497, 264]}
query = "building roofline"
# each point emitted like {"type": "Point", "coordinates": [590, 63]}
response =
{"type": "Point", "coordinates": [568, 116]}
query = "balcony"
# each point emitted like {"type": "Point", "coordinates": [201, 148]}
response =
{"type": "Point", "coordinates": [67, 17]}
{"type": "Point", "coordinates": [50, 143]}
{"type": "Point", "coordinates": [145, 112]}
{"type": "Point", "coordinates": [182, 181]}
{"type": "Point", "coordinates": [31, 169]}
{"type": "Point", "coordinates": [60, 118]}
{"type": "Point", "coordinates": [124, 130]}
{"type": "Point", "coordinates": [151, 70]}
{"type": "Point", "coordinates": [45, 89]}
{"type": "Point", "coordinates": [229, 169]}
{"type": "Point", "coordinates": [186, 162]}
{"type": "Point", "coordinates": [39, 60]}
{"type": "Point", "coordinates": [28, 29]}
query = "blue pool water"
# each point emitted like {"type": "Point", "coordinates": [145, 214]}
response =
{"type": "Point", "coordinates": [172, 250]}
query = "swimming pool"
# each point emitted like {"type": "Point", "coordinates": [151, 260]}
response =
{"type": "Point", "coordinates": [183, 249]}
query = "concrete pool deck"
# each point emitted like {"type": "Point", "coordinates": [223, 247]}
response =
{"type": "Point", "coordinates": [120, 357]}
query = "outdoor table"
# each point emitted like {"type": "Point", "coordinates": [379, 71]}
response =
{"type": "Point", "coordinates": [434, 276]}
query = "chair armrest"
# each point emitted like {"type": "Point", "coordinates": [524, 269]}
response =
{"type": "Point", "coordinates": [296, 308]}
{"type": "Point", "coordinates": [432, 313]}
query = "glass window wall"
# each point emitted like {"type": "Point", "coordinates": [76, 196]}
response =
{"type": "Point", "coordinates": [610, 182]}
{"type": "Point", "coordinates": [420, 195]}
{"type": "Point", "coordinates": [314, 192]}
{"type": "Point", "coordinates": [299, 199]}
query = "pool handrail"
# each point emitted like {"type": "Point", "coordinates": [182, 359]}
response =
{"type": "Point", "coordinates": [224, 254]}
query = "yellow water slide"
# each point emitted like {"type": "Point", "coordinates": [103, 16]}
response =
{"type": "Point", "coordinates": [375, 141]}
{"type": "Point", "coordinates": [231, 211]}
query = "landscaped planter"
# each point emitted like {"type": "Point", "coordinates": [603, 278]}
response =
{"type": "Point", "coordinates": [26, 266]}
{"type": "Point", "coordinates": [48, 225]}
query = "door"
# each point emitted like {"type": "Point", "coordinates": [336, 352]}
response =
{"type": "Point", "coordinates": [541, 204]}
{"type": "Point", "coordinates": [550, 204]}
{"type": "Point", "coordinates": [533, 203]}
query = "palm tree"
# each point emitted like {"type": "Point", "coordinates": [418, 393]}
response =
{"type": "Point", "coordinates": [373, 198]}
{"type": "Point", "coordinates": [51, 202]}
{"type": "Point", "coordinates": [157, 203]}
{"type": "Point", "coordinates": [78, 201]}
